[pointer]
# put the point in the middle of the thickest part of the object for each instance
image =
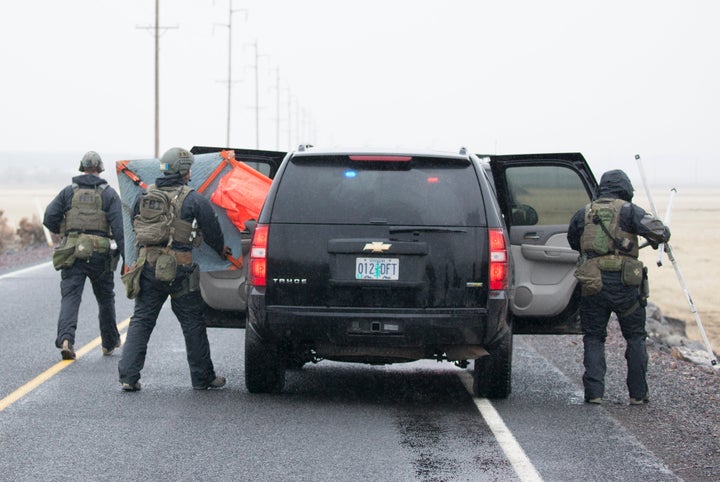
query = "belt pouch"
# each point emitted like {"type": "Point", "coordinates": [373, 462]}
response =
{"type": "Point", "coordinates": [589, 276]}
{"type": "Point", "coordinates": [632, 272]}
{"type": "Point", "coordinates": [64, 255]}
{"type": "Point", "coordinates": [166, 267]}
{"type": "Point", "coordinates": [84, 247]}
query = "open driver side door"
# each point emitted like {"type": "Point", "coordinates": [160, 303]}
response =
{"type": "Point", "coordinates": [538, 194]}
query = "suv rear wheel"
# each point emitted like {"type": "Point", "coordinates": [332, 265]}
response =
{"type": "Point", "coordinates": [492, 374]}
{"type": "Point", "coordinates": [264, 364]}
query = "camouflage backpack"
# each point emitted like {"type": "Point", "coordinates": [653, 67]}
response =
{"type": "Point", "coordinates": [158, 219]}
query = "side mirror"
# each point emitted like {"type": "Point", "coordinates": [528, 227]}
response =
{"type": "Point", "coordinates": [523, 215]}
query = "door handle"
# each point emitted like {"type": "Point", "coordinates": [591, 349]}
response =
{"type": "Point", "coordinates": [532, 236]}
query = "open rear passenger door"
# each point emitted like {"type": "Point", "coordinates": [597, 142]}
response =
{"type": "Point", "coordinates": [224, 292]}
{"type": "Point", "coordinates": [538, 194]}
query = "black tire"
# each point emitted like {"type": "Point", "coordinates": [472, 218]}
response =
{"type": "Point", "coordinates": [264, 364]}
{"type": "Point", "coordinates": [492, 374]}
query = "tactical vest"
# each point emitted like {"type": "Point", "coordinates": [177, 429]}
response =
{"type": "Point", "coordinates": [602, 234]}
{"type": "Point", "coordinates": [158, 221]}
{"type": "Point", "coordinates": [86, 214]}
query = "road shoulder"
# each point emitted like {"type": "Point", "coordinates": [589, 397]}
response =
{"type": "Point", "coordinates": [679, 425]}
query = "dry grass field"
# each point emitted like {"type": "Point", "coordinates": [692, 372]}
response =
{"type": "Point", "coordinates": [25, 203]}
{"type": "Point", "coordinates": [695, 243]}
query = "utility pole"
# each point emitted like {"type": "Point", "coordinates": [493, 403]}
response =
{"type": "Point", "coordinates": [289, 121]}
{"type": "Point", "coordinates": [156, 28]}
{"type": "Point", "coordinates": [230, 81]}
{"type": "Point", "coordinates": [256, 66]}
{"type": "Point", "coordinates": [298, 133]}
{"type": "Point", "coordinates": [257, 97]}
{"type": "Point", "coordinates": [277, 109]}
{"type": "Point", "coordinates": [157, 79]}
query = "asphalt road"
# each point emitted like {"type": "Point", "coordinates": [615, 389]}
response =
{"type": "Point", "coordinates": [333, 421]}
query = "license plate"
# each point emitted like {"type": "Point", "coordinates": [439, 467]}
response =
{"type": "Point", "coordinates": [377, 268]}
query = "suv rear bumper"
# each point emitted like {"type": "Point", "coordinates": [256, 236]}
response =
{"type": "Point", "coordinates": [369, 334]}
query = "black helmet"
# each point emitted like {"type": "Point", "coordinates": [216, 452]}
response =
{"type": "Point", "coordinates": [176, 160]}
{"type": "Point", "coordinates": [91, 160]}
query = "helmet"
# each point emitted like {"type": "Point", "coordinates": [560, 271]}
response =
{"type": "Point", "coordinates": [176, 160]}
{"type": "Point", "coordinates": [91, 160]}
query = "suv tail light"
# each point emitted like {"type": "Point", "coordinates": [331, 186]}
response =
{"type": "Point", "coordinates": [257, 270]}
{"type": "Point", "coordinates": [498, 260]}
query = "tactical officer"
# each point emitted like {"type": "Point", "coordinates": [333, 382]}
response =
{"type": "Point", "coordinates": [87, 214]}
{"type": "Point", "coordinates": [612, 279]}
{"type": "Point", "coordinates": [165, 258]}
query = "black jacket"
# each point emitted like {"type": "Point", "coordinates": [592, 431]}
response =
{"type": "Point", "coordinates": [633, 219]}
{"type": "Point", "coordinates": [55, 211]}
{"type": "Point", "coordinates": [195, 206]}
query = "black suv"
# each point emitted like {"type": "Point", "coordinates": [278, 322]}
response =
{"type": "Point", "coordinates": [385, 256]}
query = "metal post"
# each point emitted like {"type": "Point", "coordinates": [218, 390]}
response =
{"type": "Point", "coordinates": [229, 86]}
{"type": "Point", "coordinates": [157, 78]}
{"type": "Point", "coordinates": [257, 97]}
{"type": "Point", "coordinates": [156, 29]}
{"type": "Point", "coordinates": [661, 246]}
{"type": "Point", "coordinates": [683, 285]}
{"type": "Point", "coordinates": [277, 109]}
{"type": "Point", "coordinates": [289, 121]}
{"type": "Point", "coordinates": [229, 26]}
{"type": "Point", "coordinates": [298, 133]}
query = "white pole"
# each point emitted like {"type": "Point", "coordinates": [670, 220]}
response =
{"type": "Point", "coordinates": [683, 285]}
{"type": "Point", "coordinates": [48, 236]}
{"type": "Point", "coordinates": [661, 246]}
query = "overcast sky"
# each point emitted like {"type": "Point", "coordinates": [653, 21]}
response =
{"type": "Point", "coordinates": [607, 78]}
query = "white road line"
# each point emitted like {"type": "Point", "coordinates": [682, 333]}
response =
{"type": "Point", "coordinates": [515, 454]}
{"type": "Point", "coordinates": [25, 270]}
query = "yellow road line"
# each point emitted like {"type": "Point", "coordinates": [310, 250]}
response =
{"type": "Point", "coordinates": [57, 368]}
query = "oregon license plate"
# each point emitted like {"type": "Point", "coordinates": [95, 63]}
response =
{"type": "Point", "coordinates": [377, 268]}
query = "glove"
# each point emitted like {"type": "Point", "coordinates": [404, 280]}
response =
{"type": "Point", "coordinates": [227, 252]}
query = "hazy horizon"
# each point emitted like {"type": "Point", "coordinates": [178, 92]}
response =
{"type": "Point", "coordinates": [33, 169]}
{"type": "Point", "coordinates": [609, 80]}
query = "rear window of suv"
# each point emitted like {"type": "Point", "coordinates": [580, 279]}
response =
{"type": "Point", "coordinates": [424, 191]}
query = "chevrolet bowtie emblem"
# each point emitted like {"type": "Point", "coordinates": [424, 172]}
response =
{"type": "Point", "coordinates": [377, 247]}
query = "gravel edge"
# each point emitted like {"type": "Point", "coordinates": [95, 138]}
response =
{"type": "Point", "coordinates": [680, 425]}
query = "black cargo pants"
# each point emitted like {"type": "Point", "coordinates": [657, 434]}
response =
{"type": "Point", "coordinates": [595, 313]}
{"type": "Point", "coordinates": [187, 306]}
{"type": "Point", "coordinates": [72, 284]}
